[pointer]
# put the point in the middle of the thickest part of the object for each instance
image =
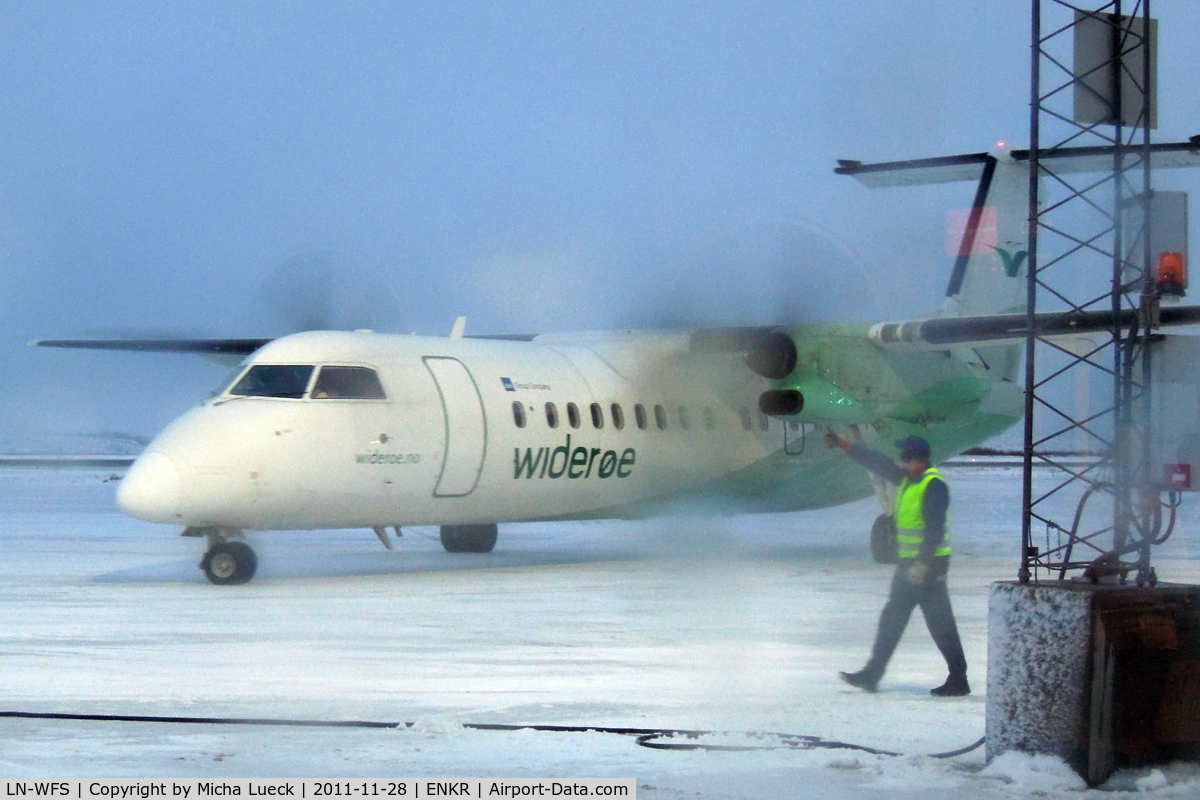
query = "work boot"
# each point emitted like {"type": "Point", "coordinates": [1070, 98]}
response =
{"type": "Point", "coordinates": [861, 680]}
{"type": "Point", "coordinates": [955, 686]}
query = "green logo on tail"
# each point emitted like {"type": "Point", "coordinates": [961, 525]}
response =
{"type": "Point", "coordinates": [1012, 263]}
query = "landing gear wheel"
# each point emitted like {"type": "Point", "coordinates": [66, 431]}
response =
{"type": "Point", "coordinates": [229, 563]}
{"type": "Point", "coordinates": [468, 538]}
{"type": "Point", "coordinates": [884, 547]}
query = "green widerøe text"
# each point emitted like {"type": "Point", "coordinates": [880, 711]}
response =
{"type": "Point", "coordinates": [577, 463]}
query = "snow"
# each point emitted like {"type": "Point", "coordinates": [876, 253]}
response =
{"type": "Point", "coordinates": [737, 624]}
{"type": "Point", "coordinates": [1152, 782]}
{"type": "Point", "coordinates": [1029, 772]}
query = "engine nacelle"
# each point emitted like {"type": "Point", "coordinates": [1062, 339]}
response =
{"type": "Point", "coordinates": [773, 356]}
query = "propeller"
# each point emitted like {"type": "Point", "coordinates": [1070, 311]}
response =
{"type": "Point", "coordinates": [308, 290]}
{"type": "Point", "coordinates": [759, 280]}
{"type": "Point", "coordinates": [322, 289]}
{"type": "Point", "coordinates": [764, 275]}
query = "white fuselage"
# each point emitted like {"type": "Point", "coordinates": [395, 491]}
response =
{"type": "Point", "coordinates": [445, 444]}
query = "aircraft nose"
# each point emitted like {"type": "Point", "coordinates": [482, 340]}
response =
{"type": "Point", "coordinates": [151, 489]}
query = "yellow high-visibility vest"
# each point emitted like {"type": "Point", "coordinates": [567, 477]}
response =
{"type": "Point", "coordinates": [910, 516]}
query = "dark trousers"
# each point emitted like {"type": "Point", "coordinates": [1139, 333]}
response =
{"type": "Point", "coordinates": [935, 605]}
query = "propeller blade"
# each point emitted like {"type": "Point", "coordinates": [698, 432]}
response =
{"type": "Point", "coordinates": [766, 275]}
{"type": "Point", "coordinates": [324, 290]}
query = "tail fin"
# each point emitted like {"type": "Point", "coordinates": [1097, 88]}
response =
{"type": "Point", "coordinates": [992, 253]}
{"type": "Point", "coordinates": [989, 271]}
{"type": "Point", "coordinates": [988, 275]}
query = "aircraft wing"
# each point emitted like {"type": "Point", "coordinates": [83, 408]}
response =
{"type": "Point", "coordinates": [969, 167]}
{"type": "Point", "coordinates": [942, 333]}
{"type": "Point", "coordinates": [216, 347]}
{"type": "Point", "coordinates": [211, 347]}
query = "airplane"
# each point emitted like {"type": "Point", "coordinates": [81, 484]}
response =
{"type": "Point", "coordinates": [337, 429]}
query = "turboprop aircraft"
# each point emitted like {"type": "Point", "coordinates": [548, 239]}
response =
{"type": "Point", "coordinates": [333, 429]}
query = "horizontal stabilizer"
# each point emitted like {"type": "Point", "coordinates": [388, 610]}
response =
{"type": "Point", "coordinates": [225, 347]}
{"type": "Point", "coordinates": [1062, 160]}
{"type": "Point", "coordinates": [915, 172]}
{"type": "Point", "coordinates": [945, 332]}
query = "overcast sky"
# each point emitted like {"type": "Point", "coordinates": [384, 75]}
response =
{"type": "Point", "coordinates": [199, 167]}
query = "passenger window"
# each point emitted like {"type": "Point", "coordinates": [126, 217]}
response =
{"type": "Point", "coordinates": [639, 415]}
{"type": "Point", "coordinates": [270, 380]}
{"type": "Point", "coordinates": [683, 418]}
{"type": "Point", "coordinates": [660, 417]}
{"type": "Point", "coordinates": [747, 423]}
{"type": "Point", "coordinates": [341, 383]}
{"type": "Point", "coordinates": [710, 421]}
{"type": "Point", "coordinates": [573, 415]}
{"type": "Point", "coordinates": [551, 415]}
{"type": "Point", "coordinates": [618, 416]}
{"type": "Point", "coordinates": [763, 421]}
{"type": "Point", "coordinates": [597, 416]}
{"type": "Point", "coordinates": [794, 427]}
{"type": "Point", "coordinates": [519, 414]}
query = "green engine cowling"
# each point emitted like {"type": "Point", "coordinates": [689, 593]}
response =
{"type": "Point", "coordinates": [805, 396]}
{"type": "Point", "coordinates": [837, 377]}
{"type": "Point", "coordinates": [799, 392]}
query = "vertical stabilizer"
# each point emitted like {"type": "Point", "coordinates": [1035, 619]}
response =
{"type": "Point", "coordinates": [990, 266]}
{"type": "Point", "coordinates": [989, 241]}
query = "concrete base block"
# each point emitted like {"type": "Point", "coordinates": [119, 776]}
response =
{"type": "Point", "coordinates": [1102, 675]}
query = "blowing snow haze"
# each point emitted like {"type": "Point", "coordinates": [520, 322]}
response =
{"type": "Point", "coordinates": [532, 167]}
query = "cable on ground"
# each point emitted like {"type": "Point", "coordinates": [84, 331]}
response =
{"type": "Point", "coordinates": [653, 738]}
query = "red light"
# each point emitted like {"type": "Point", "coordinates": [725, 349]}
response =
{"type": "Point", "coordinates": [1178, 477]}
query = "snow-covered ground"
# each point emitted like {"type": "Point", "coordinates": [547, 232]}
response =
{"type": "Point", "coordinates": [736, 624]}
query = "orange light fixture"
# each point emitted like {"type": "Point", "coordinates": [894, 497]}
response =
{"type": "Point", "coordinates": [1172, 273]}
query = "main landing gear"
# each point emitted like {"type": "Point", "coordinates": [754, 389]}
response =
{"type": "Point", "coordinates": [226, 562]}
{"type": "Point", "coordinates": [469, 538]}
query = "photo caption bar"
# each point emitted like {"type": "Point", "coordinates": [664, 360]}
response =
{"type": "Point", "coordinates": [308, 789]}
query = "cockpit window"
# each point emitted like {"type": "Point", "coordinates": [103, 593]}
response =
{"type": "Point", "coordinates": [358, 383]}
{"type": "Point", "coordinates": [273, 380]}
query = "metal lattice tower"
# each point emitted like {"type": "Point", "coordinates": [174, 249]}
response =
{"type": "Point", "coordinates": [1092, 502]}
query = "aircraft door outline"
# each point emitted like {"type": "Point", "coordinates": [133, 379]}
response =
{"type": "Point", "coordinates": [466, 426]}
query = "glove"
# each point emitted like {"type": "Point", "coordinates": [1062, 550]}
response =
{"type": "Point", "coordinates": [916, 574]}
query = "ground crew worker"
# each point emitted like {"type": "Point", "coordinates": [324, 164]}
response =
{"type": "Point", "coordinates": [924, 549]}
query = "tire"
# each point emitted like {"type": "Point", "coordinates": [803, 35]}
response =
{"type": "Point", "coordinates": [229, 563]}
{"type": "Point", "coordinates": [469, 538]}
{"type": "Point", "coordinates": [884, 547]}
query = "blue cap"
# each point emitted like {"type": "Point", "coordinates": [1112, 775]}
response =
{"type": "Point", "coordinates": [913, 446]}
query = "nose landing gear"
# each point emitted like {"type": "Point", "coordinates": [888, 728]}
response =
{"type": "Point", "coordinates": [229, 563]}
{"type": "Point", "coordinates": [225, 563]}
